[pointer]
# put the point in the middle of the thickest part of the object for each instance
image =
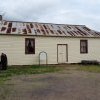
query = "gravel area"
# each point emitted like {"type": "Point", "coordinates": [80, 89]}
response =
{"type": "Point", "coordinates": [66, 85]}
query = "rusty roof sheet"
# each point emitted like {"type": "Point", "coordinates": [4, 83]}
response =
{"type": "Point", "coordinates": [46, 29]}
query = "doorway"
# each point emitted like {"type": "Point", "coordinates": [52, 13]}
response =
{"type": "Point", "coordinates": [62, 53]}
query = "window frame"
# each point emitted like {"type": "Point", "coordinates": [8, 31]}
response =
{"type": "Point", "coordinates": [86, 48]}
{"type": "Point", "coordinates": [31, 39]}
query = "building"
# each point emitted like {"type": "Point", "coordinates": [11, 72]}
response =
{"type": "Point", "coordinates": [23, 41]}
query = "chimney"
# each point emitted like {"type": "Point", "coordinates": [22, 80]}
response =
{"type": "Point", "coordinates": [0, 17]}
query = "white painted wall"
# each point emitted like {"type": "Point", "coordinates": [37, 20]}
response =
{"type": "Point", "coordinates": [14, 47]}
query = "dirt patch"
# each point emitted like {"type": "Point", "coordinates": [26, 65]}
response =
{"type": "Point", "coordinates": [66, 85]}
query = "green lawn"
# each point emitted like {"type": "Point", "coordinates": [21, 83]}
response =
{"type": "Point", "coordinates": [23, 70]}
{"type": "Point", "coordinates": [35, 69]}
{"type": "Point", "coordinates": [90, 68]}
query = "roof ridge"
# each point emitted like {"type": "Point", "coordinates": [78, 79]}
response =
{"type": "Point", "coordinates": [43, 23]}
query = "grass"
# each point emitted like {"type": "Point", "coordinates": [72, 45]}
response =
{"type": "Point", "coordinates": [6, 89]}
{"type": "Point", "coordinates": [22, 70]}
{"type": "Point", "coordinates": [35, 69]}
{"type": "Point", "coordinates": [89, 68]}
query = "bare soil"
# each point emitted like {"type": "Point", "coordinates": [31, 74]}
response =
{"type": "Point", "coordinates": [65, 85]}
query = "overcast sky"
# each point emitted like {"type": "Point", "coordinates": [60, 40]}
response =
{"type": "Point", "coordinates": [85, 12]}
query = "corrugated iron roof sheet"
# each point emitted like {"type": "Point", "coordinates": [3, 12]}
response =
{"type": "Point", "coordinates": [46, 29]}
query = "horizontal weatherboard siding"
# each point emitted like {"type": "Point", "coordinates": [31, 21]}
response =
{"type": "Point", "coordinates": [14, 47]}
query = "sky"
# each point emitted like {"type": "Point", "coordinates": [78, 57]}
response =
{"type": "Point", "coordinates": [78, 12]}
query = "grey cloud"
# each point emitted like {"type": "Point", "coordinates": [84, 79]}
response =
{"type": "Point", "coordinates": [22, 10]}
{"type": "Point", "coordinates": [53, 11]}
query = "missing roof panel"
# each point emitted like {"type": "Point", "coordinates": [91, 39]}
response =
{"type": "Point", "coordinates": [10, 25]}
{"type": "Point", "coordinates": [87, 29]}
{"type": "Point", "coordinates": [24, 31]}
{"type": "Point", "coordinates": [81, 31]}
{"type": "Point", "coordinates": [9, 30]}
{"type": "Point", "coordinates": [59, 31]}
{"type": "Point", "coordinates": [47, 31]}
{"type": "Point", "coordinates": [3, 28]}
{"type": "Point", "coordinates": [5, 23]}
{"type": "Point", "coordinates": [31, 25]}
{"type": "Point", "coordinates": [52, 31]}
{"type": "Point", "coordinates": [13, 29]}
{"type": "Point", "coordinates": [43, 32]}
{"type": "Point", "coordinates": [45, 26]}
{"type": "Point", "coordinates": [29, 30]}
{"type": "Point", "coordinates": [38, 31]}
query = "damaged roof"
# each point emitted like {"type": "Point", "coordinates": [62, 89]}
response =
{"type": "Point", "coordinates": [46, 29]}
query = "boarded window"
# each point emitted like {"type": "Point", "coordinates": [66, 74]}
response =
{"type": "Point", "coordinates": [83, 46]}
{"type": "Point", "coordinates": [29, 46]}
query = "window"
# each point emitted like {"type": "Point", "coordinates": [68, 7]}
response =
{"type": "Point", "coordinates": [83, 46]}
{"type": "Point", "coordinates": [29, 46]}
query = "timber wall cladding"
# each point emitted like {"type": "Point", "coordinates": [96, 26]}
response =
{"type": "Point", "coordinates": [14, 47]}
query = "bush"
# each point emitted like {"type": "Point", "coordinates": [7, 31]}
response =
{"type": "Point", "coordinates": [90, 62]}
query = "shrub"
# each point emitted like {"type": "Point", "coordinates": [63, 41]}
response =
{"type": "Point", "coordinates": [90, 62]}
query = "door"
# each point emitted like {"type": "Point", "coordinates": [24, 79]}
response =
{"type": "Point", "coordinates": [62, 54]}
